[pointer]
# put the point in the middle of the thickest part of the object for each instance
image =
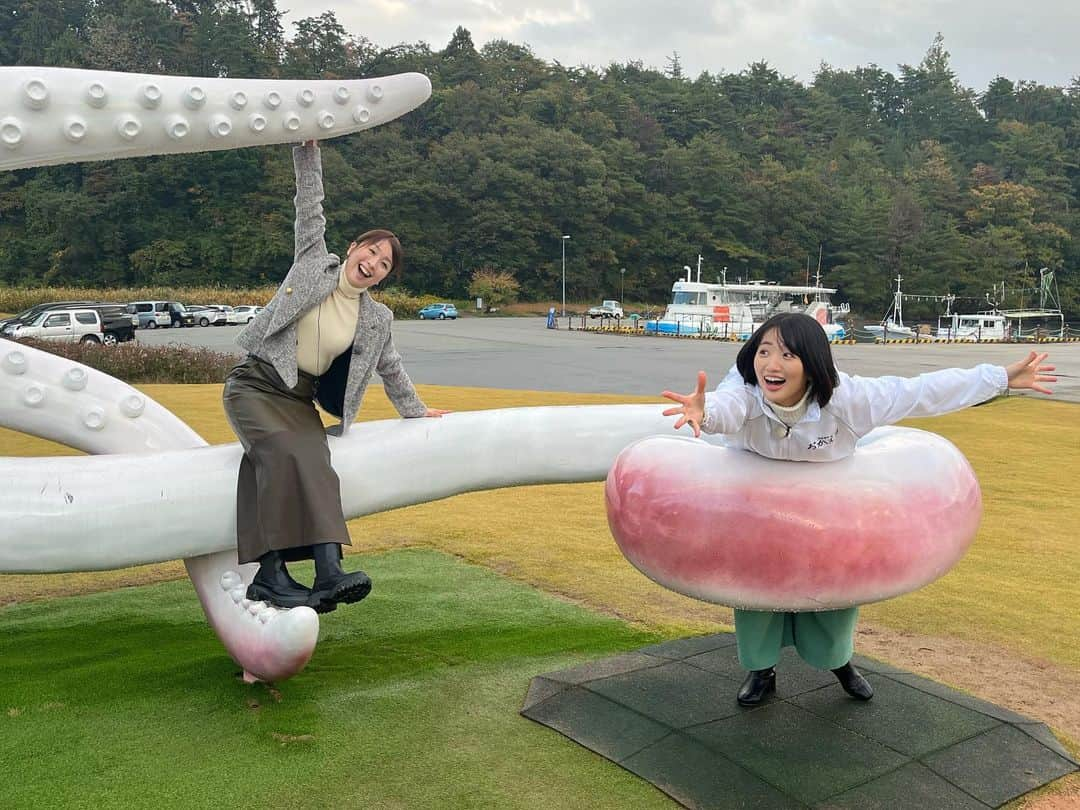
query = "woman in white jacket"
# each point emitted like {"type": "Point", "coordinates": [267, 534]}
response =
{"type": "Point", "coordinates": [784, 399]}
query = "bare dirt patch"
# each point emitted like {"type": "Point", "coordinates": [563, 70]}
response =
{"type": "Point", "coordinates": [1037, 689]}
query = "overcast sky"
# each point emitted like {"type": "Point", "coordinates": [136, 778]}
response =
{"type": "Point", "coordinates": [1035, 40]}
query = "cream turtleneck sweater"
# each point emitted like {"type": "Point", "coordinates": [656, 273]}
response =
{"type": "Point", "coordinates": [325, 331]}
{"type": "Point", "coordinates": [789, 414]}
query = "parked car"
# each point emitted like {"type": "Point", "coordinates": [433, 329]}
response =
{"type": "Point", "coordinates": [607, 309]}
{"type": "Point", "coordinates": [151, 314]}
{"type": "Point", "coordinates": [207, 315]}
{"type": "Point", "coordinates": [63, 325]}
{"type": "Point", "coordinates": [178, 316]}
{"type": "Point", "coordinates": [29, 314]}
{"type": "Point", "coordinates": [196, 311]}
{"type": "Point", "coordinates": [226, 310]}
{"type": "Point", "coordinates": [440, 311]}
{"type": "Point", "coordinates": [185, 314]}
{"type": "Point", "coordinates": [118, 326]}
{"type": "Point", "coordinates": [243, 314]}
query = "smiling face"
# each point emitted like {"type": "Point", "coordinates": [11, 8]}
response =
{"type": "Point", "coordinates": [368, 263]}
{"type": "Point", "coordinates": [779, 372]}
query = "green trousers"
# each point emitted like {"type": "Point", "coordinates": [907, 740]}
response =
{"type": "Point", "coordinates": [825, 640]}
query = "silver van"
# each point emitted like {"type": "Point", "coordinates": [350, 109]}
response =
{"type": "Point", "coordinates": [151, 314]}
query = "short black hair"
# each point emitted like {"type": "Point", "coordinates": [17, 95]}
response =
{"type": "Point", "coordinates": [803, 337]}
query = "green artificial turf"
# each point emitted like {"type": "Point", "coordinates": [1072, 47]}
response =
{"type": "Point", "coordinates": [126, 699]}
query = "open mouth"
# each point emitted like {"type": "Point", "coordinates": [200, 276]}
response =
{"type": "Point", "coordinates": [363, 272]}
{"type": "Point", "coordinates": [773, 382]}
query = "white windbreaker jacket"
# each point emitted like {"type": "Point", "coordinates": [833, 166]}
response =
{"type": "Point", "coordinates": [858, 405]}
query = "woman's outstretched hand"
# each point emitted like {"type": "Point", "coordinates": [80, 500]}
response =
{"type": "Point", "coordinates": [691, 408]}
{"type": "Point", "coordinates": [1030, 372]}
{"type": "Point", "coordinates": [435, 413]}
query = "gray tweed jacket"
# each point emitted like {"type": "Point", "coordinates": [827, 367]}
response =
{"type": "Point", "coordinates": [312, 277]}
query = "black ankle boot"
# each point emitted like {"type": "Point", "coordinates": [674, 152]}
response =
{"type": "Point", "coordinates": [332, 585]}
{"type": "Point", "coordinates": [853, 682]}
{"type": "Point", "coordinates": [758, 684]}
{"type": "Point", "coordinates": [273, 584]}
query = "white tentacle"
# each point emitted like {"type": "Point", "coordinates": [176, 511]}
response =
{"type": "Point", "coordinates": [64, 514]}
{"type": "Point", "coordinates": [57, 399]}
{"type": "Point", "coordinates": [65, 115]}
{"type": "Point", "coordinates": [67, 402]}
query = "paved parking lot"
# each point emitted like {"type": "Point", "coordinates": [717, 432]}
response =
{"type": "Point", "coordinates": [520, 353]}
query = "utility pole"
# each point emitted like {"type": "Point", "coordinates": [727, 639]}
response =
{"type": "Point", "coordinates": [563, 240]}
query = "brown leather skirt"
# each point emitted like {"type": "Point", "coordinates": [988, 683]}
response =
{"type": "Point", "coordinates": [288, 497]}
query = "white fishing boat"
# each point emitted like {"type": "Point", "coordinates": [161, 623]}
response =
{"type": "Point", "coordinates": [993, 325]}
{"type": "Point", "coordinates": [892, 325]}
{"type": "Point", "coordinates": [980, 327]}
{"type": "Point", "coordinates": [890, 329]}
{"type": "Point", "coordinates": [736, 310]}
{"type": "Point", "coordinates": [1045, 321]}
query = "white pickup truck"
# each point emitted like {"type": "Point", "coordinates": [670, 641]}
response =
{"type": "Point", "coordinates": [607, 309]}
{"type": "Point", "coordinates": [63, 325]}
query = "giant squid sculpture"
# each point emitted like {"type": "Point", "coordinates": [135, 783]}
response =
{"type": "Point", "coordinates": [683, 511]}
{"type": "Point", "coordinates": [66, 514]}
{"type": "Point", "coordinates": [112, 510]}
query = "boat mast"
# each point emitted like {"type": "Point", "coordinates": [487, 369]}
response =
{"type": "Point", "coordinates": [817, 277]}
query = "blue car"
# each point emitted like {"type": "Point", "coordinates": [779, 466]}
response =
{"type": "Point", "coordinates": [440, 311]}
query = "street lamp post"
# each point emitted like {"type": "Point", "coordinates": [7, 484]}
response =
{"type": "Point", "coordinates": [622, 286]}
{"type": "Point", "coordinates": [563, 240]}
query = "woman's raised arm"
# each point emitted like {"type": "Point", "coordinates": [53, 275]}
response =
{"type": "Point", "coordinates": [310, 225]}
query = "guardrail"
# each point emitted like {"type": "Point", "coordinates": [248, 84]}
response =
{"type": "Point", "coordinates": [1068, 335]}
{"type": "Point", "coordinates": [652, 328]}
{"type": "Point", "coordinates": [641, 327]}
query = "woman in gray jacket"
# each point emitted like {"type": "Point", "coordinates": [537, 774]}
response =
{"type": "Point", "coordinates": [317, 341]}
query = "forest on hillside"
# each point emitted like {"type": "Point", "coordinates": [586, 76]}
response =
{"type": "Point", "coordinates": [871, 173]}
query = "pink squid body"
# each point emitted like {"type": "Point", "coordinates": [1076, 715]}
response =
{"type": "Point", "coordinates": [728, 526]}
